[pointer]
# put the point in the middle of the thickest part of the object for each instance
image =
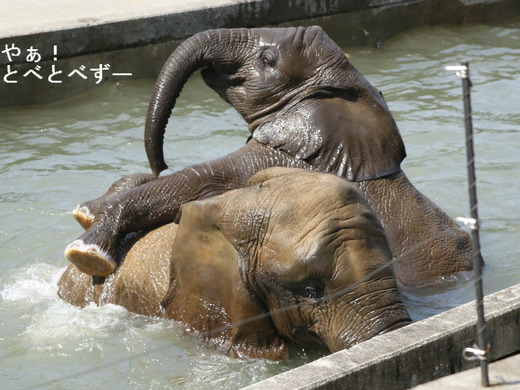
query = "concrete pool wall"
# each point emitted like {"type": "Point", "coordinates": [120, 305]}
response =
{"type": "Point", "coordinates": [120, 37]}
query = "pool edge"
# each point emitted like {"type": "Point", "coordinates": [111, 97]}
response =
{"type": "Point", "coordinates": [418, 353]}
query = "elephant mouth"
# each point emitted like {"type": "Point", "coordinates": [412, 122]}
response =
{"type": "Point", "coordinates": [222, 79]}
{"type": "Point", "coordinates": [349, 340]}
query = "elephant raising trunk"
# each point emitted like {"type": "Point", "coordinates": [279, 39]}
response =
{"type": "Point", "coordinates": [306, 65]}
{"type": "Point", "coordinates": [306, 107]}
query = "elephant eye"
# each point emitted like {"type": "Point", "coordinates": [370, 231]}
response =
{"type": "Point", "coordinates": [309, 290]}
{"type": "Point", "coordinates": [268, 58]}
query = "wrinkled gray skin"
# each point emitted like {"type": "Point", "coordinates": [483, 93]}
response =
{"type": "Point", "coordinates": [297, 257]}
{"type": "Point", "coordinates": [307, 107]}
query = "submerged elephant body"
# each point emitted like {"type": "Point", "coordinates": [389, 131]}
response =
{"type": "Point", "coordinates": [257, 268]}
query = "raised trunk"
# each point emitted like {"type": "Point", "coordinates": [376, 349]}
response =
{"type": "Point", "coordinates": [201, 50]}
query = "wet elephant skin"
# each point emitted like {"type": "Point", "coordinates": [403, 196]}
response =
{"type": "Point", "coordinates": [306, 106]}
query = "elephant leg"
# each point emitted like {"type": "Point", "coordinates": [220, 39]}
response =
{"type": "Point", "coordinates": [427, 244]}
{"type": "Point", "coordinates": [157, 202]}
{"type": "Point", "coordinates": [85, 212]}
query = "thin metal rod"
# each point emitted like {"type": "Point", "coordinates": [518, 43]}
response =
{"type": "Point", "coordinates": [477, 256]}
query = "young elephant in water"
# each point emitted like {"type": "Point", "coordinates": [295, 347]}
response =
{"type": "Point", "coordinates": [307, 107]}
{"type": "Point", "coordinates": [296, 257]}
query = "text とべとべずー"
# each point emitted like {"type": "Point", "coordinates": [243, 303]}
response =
{"type": "Point", "coordinates": [51, 72]}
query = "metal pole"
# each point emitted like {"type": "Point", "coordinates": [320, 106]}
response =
{"type": "Point", "coordinates": [470, 155]}
{"type": "Point", "coordinates": [482, 351]}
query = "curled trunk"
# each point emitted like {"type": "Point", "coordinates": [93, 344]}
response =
{"type": "Point", "coordinates": [201, 50]}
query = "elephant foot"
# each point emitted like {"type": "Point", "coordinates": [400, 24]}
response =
{"type": "Point", "coordinates": [85, 212]}
{"type": "Point", "coordinates": [90, 258]}
{"type": "Point", "coordinates": [83, 215]}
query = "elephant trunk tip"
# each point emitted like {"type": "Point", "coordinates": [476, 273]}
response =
{"type": "Point", "coordinates": [155, 156]}
{"type": "Point", "coordinates": [156, 170]}
{"type": "Point", "coordinates": [157, 166]}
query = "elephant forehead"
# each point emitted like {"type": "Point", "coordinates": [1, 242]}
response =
{"type": "Point", "coordinates": [300, 47]}
{"type": "Point", "coordinates": [294, 36]}
{"type": "Point", "coordinates": [302, 200]}
{"type": "Point", "coordinates": [288, 263]}
{"type": "Point", "coordinates": [311, 232]}
{"type": "Point", "coordinates": [309, 214]}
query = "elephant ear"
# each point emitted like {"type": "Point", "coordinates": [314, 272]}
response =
{"type": "Point", "coordinates": [335, 132]}
{"type": "Point", "coordinates": [207, 293]}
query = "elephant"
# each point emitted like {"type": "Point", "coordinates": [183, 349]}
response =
{"type": "Point", "coordinates": [297, 257]}
{"type": "Point", "coordinates": [306, 107]}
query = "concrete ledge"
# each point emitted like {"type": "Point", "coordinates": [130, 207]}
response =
{"type": "Point", "coordinates": [98, 26]}
{"type": "Point", "coordinates": [413, 355]}
{"type": "Point", "coordinates": [80, 28]}
{"type": "Point", "coordinates": [137, 36]}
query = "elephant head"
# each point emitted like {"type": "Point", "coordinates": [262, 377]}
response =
{"type": "Point", "coordinates": [296, 257]}
{"type": "Point", "coordinates": [277, 80]}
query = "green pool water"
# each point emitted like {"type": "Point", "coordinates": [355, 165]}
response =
{"type": "Point", "coordinates": [55, 156]}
